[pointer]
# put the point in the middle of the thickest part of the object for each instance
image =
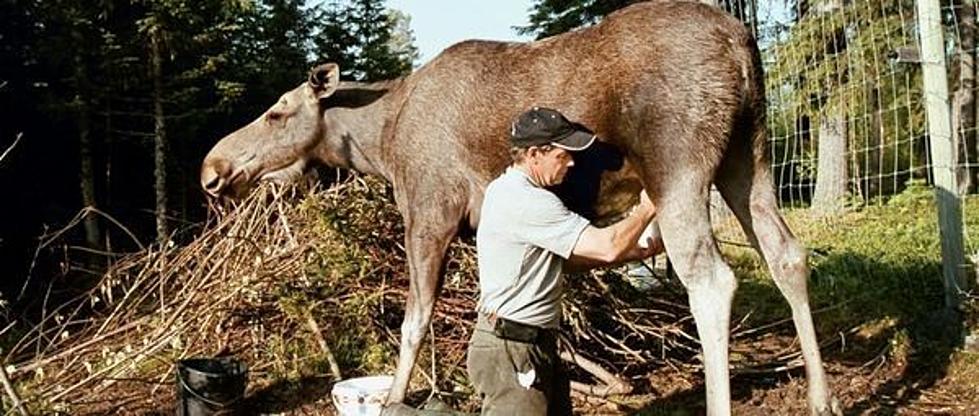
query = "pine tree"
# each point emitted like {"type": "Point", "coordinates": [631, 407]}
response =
{"type": "Point", "coordinates": [286, 41]}
{"type": "Point", "coordinates": [376, 61]}
{"type": "Point", "coordinates": [368, 41]}
{"type": "Point", "coordinates": [552, 17]}
{"type": "Point", "coordinates": [402, 43]}
{"type": "Point", "coordinates": [336, 41]}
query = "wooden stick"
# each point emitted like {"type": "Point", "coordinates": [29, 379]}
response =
{"type": "Point", "coordinates": [611, 384]}
{"type": "Point", "coordinates": [9, 388]}
{"type": "Point", "coordinates": [17, 140]}
{"type": "Point", "coordinates": [334, 367]}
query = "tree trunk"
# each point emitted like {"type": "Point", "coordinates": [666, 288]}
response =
{"type": "Point", "coordinates": [964, 101]}
{"type": "Point", "coordinates": [86, 170]}
{"type": "Point", "coordinates": [107, 193]}
{"type": "Point", "coordinates": [93, 235]}
{"type": "Point", "coordinates": [831, 171]}
{"type": "Point", "coordinates": [160, 139]}
{"type": "Point", "coordinates": [871, 176]}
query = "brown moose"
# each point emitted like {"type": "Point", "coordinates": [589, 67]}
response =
{"type": "Point", "coordinates": [676, 86]}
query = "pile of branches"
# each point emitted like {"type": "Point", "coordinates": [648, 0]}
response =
{"type": "Point", "coordinates": [301, 286]}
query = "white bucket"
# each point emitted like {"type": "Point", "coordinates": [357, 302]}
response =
{"type": "Point", "coordinates": [363, 396]}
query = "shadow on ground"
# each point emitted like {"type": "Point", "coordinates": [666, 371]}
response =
{"type": "Point", "coordinates": [870, 373]}
{"type": "Point", "coordinates": [287, 395]}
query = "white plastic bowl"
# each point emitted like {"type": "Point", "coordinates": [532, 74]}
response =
{"type": "Point", "coordinates": [362, 396]}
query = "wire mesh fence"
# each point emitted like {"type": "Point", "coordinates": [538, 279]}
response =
{"type": "Point", "coordinates": [848, 116]}
{"type": "Point", "coordinates": [846, 119]}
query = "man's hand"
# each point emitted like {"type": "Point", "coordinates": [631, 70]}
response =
{"type": "Point", "coordinates": [616, 243]}
{"type": "Point", "coordinates": [646, 206]}
{"type": "Point", "coordinates": [652, 247]}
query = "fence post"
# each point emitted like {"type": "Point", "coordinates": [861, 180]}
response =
{"type": "Point", "coordinates": [942, 148]}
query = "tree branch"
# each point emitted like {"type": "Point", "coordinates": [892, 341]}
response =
{"type": "Point", "coordinates": [610, 383]}
{"type": "Point", "coordinates": [5, 152]}
{"type": "Point", "coordinates": [11, 393]}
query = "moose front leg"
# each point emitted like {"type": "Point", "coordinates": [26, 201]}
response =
{"type": "Point", "coordinates": [426, 247]}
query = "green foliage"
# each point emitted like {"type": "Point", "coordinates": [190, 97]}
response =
{"type": "Point", "coordinates": [374, 27]}
{"type": "Point", "coordinates": [355, 230]}
{"type": "Point", "coordinates": [335, 41]}
{"type": "Point", "coordinates": [880, 263]}
{"type": "Point", "coordinates": [268, 52]}
{"type": "Point", "coordinates": [368, 41]}
{"type": "Point", "coordinates": [551, 17]}
{"type": "Point", "coordinates": [837, 62]}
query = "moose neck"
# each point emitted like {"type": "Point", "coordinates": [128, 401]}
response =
{"type": "Point", "coordinates": [355, 125]}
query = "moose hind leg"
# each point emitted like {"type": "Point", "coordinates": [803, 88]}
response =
{"type": "Point", "coordinates": [746, 184]}
{"type": "Point", "coordinates": [710, 283]}
{"type": "Point", "coordinates": [788, 262]}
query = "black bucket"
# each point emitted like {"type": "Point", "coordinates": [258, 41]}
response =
{"type": "Point", "coordinates": [210, 386]}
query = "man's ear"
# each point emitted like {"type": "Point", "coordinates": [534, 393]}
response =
{"type": "Point", "coordinates": [324, 79]}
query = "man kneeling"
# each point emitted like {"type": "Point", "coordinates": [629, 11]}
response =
{"type": "Point", "coordinates": [525, 241]}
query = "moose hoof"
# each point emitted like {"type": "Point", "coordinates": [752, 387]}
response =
{"type": "Point", "coordinates": [833, 409]}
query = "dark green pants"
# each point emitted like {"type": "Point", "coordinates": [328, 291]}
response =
{"type": "Point", "coordinates": [495, 367]}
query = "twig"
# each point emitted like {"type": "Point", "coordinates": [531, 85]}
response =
{"type": "Point", "coordinates": [334, 367]}
{"type": "Point", "coordinates": [749, 331]}
{"type": "Point", "coordinates": [11, 147]}
{"type": "Point", "coordinates": [9, 388]}
{"type": "Point", "coordinates": [116, 222]}
{"type": "Point", "coordinates": [611, 384]}
{"type": "Point", "coordinates": [49, 238]}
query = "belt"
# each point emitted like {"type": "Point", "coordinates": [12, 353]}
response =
{"type": "Point", "coordinates": [511, 330]}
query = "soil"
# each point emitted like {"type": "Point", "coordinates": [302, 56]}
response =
{"type": "Point", "coordinates": [866, 379]}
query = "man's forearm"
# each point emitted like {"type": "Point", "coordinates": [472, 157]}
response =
{"type": "Point", "coordinates": [626, 232]}
{"type": "Point", "coordinates": [615, 243]}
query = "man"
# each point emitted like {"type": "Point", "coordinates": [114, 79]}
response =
{"type": "Point", "coordinates": [525, 240]}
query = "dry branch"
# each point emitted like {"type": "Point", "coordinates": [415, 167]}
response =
{"type": "Point", "coordinates": [254, 274]}
{"type": "Point", "coordinates": [8, 387]}
{"type": "Point", "coordinates": [11, 147]}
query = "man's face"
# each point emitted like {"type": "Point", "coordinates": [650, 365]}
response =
{"type": "Point", "coordinates": [551, 165]}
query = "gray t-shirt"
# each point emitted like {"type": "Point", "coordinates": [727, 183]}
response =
{"type": "Point", "coordinates": [524, 235]}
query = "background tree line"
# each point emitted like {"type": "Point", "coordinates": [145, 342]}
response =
{"type": "Point", "coordinates": [118, 100]}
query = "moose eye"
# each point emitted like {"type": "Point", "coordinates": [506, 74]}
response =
{"type": "Point", "coordinates": [274, 117]}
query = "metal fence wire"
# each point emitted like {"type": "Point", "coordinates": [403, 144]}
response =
{"type": "Point", "coordinates": [849, 105]}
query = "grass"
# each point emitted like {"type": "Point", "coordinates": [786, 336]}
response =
{"type": "Point", "coordinates": [881, 262]}
{"type": "Point", "coordinates": [877, 291]}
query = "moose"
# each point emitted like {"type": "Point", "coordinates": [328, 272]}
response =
{"type": "Point", "coordinates": [677, 86]}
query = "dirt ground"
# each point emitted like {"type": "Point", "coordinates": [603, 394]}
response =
{"type": "Point", "coordinates": [891, 379]}
{"type": "Point", "coordinates": [911, 376]}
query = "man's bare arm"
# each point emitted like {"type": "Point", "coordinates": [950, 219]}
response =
{"type": "Point", "coordinates": [616, 243]}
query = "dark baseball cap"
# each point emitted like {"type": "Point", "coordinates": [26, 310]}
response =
{"type": "Point", "coordinates": [539, 126]}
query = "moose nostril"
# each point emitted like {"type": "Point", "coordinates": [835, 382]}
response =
{"type": "Point", "coordinates": [213, 185]}
{"type": "Point", "coordinates": [214, 177]}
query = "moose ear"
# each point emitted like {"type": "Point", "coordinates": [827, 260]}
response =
{"type": "Point", "coordinates": [324, 79]}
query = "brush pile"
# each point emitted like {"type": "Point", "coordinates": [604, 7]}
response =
{"type": "Point", "coordinates": [304, 289]}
